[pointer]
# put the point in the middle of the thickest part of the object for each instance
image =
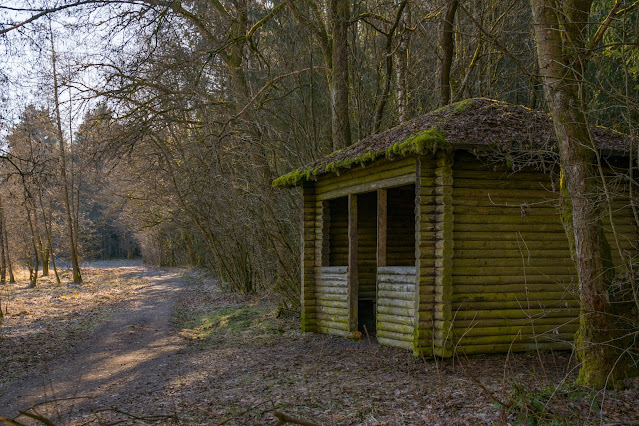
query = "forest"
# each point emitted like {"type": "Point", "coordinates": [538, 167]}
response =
{"type": "Point", "coordinates": [155, 128]}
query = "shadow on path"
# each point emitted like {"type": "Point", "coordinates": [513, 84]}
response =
{"type": "Point", "coordinates": [128, 356]}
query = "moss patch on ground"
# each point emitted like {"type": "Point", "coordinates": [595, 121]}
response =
{"type": "Point", "coordinates": [209, 316]}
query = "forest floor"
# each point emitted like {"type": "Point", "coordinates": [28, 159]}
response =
{"type": "Point", "coordinates": [138, 345]}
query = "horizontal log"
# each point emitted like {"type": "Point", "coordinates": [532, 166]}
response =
{"type": "Point", "coordinates": [396, 270]}
{"type": "Point", "coordinates": [332, 310]}
{"type": "Point", "coordinates": [394, 343]}
{"type": "Point", "coordinates": [351, 185]}
{"type": "Point", "coordinates": [522, 261]}
{"type": "Point", "coordinates": [515, 244]}
{"type": "Point", "coordinates": [393, 295]}
{"type": "Point", "coordinates": [395, 319]}
{"type": "Point", "coordinates": [396, 279]}
{"type": "Point", "coordinates": [400, 337]}
{"type": "Point", "coordinates": [324, 318]}
{"type": "Point", "coordinates": [509, 236]}
{"type": "Point", "coordinates": [332, 280]}
{"type": "Point", "coordinates": [514, 288]}
{"type": "Point", "coordinates": [512, 252]}
{"type": "Point", "coordinates": [330, 296]}
{"type": "Point", "coordinates": [396, 311]}
{"type": "Point", "coordinates": [554, 227]}
{"type": "Point", "coordinates": [357, 172]}
{"type": "Point", "coordinates": [507, 219]}
{"type": "Point", "coordinates": [522, 321]}
{"type": "Point", "coordinates": [495, 296]}
{"type": "Point", "coordinates": [333, 270]}
{"type": "Point", "coordinates": [516, 347]}
{"type": "Point", "coordinates": [539, 331]}
{"type": "Point", "coordinates": [528, 278]}
{"type": "Point", "coordinates": [505, 339]}
{"type": "Point", "coordinates": [396, 303]}
{"type": "Point", "coordinates": [516, 313]}
{"type": "Point", "coordinates": [401, 288]}
{"type": "Point", "coordinates": [514, 270]}
{"type": "Point", "coordinates": [472, 174]}
{"type": "Point", "coordinates": [395, 328]}
{"type": "Point", "coordinates": [511, 185]}
{"type": "Point", "coordinates": [333, 329]}
{"type": "Point", "coordinates": [325, 289]}
{"type": "Point", "coordinates": [512, 201]}
{"type": "Point", "coordinates": [529, 195]}
{"type": "Point", "coordinates": [522, 304]}
{"type": "Point", "coordinates": [525, 212]}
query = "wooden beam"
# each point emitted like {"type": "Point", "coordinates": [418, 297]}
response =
{"type": "Point", "coordinates": [352, 262]}
{"type": "Point", "coordinates": [444, 252]}
{"type": "Point", "coordinates": [382, 226]}
{"type": "Point", "coordinates": [308, 257]}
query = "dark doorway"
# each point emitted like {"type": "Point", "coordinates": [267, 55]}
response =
{"type": "Point", "coordinates": [366, 261]}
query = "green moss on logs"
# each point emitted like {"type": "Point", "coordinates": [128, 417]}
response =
{"type": "Point", "coordinates": [418, 143]}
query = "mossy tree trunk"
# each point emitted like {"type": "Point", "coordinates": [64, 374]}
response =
{"type": "Point", "coordinates": [560, 30]}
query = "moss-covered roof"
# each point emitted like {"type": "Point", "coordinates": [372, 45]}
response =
{"type": "Point", "coordinates": [473, 122]}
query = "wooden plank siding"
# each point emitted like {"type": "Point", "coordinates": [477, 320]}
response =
{"type": "Point", "coordinates": [514, 279]}
{"type": "Point", "coordinates": [395, 306]}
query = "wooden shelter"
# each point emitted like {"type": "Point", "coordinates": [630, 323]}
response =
{"type": "Point", "coordinates": [445, 234]}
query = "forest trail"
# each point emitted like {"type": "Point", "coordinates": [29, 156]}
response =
{"type": "Point", "coordinates": [126, 358]}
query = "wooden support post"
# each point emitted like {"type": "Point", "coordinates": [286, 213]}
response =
{"type": "Point", "coordinates": [444, 254]}
{"type": "Point", "coordinates": [424, 256]}
{"type": "Point", "coordinates": [382, 218]}
{"type": "Point", "coordinates": [308, 258]}
{"type": "Point", "coordinates": [352, 263]}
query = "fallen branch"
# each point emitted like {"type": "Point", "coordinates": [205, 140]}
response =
{"type": "Point", "coordinates": [285, 418]}
{"type": "Point", "coordinates": [37, 417]}
{"type": "Point", "coordinates": [10, 422]}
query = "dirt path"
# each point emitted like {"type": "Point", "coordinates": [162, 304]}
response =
{"type": "Point", "coordinates": [124, 360]}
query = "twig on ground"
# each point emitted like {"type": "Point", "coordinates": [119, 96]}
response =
{"type": "Point", "coordinates": [285, 418]}
{"type": "Point", "coordinates": [9, 422]}
{"type": "Point", "coordinates": [38, 417]}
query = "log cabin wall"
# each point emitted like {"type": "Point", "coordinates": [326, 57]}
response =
{"type": "Point", "coordinates": [514, 282]}
{"type": "Point", "coordinates": [332, 295]}
{"type": "Point", "coordinates": [396, 268]}
{"type": "Point", "coordinates": [330, 288]}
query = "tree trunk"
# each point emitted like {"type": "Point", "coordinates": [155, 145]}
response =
{"type": "Point", "coordinates": [560, 30]}
{"type": "Point", "coordinates": [339, 82]}
{"type": "Point", "coordinates": [402, 66]}
{"type": "Point", "coordinates": [73, 248]}
{"type": "Point", "coordinates": [448, 52]}
{"type": "Point", "coordinates": [3, 267]}
{"type": "Point", "coordinates": [12, 278]}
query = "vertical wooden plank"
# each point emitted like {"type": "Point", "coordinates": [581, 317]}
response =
{"type": "Point", "coordinates": [308, 257]}
{"type": "Point", "coordinates": [352, 263]}
{"type": "Point", "coordinates": [382, 225]}
{"type": "Point", "coordinates": [443, 343]}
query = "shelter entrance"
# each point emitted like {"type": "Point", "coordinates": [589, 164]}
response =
{"type": "Point", "coordinates": [366, 261]}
